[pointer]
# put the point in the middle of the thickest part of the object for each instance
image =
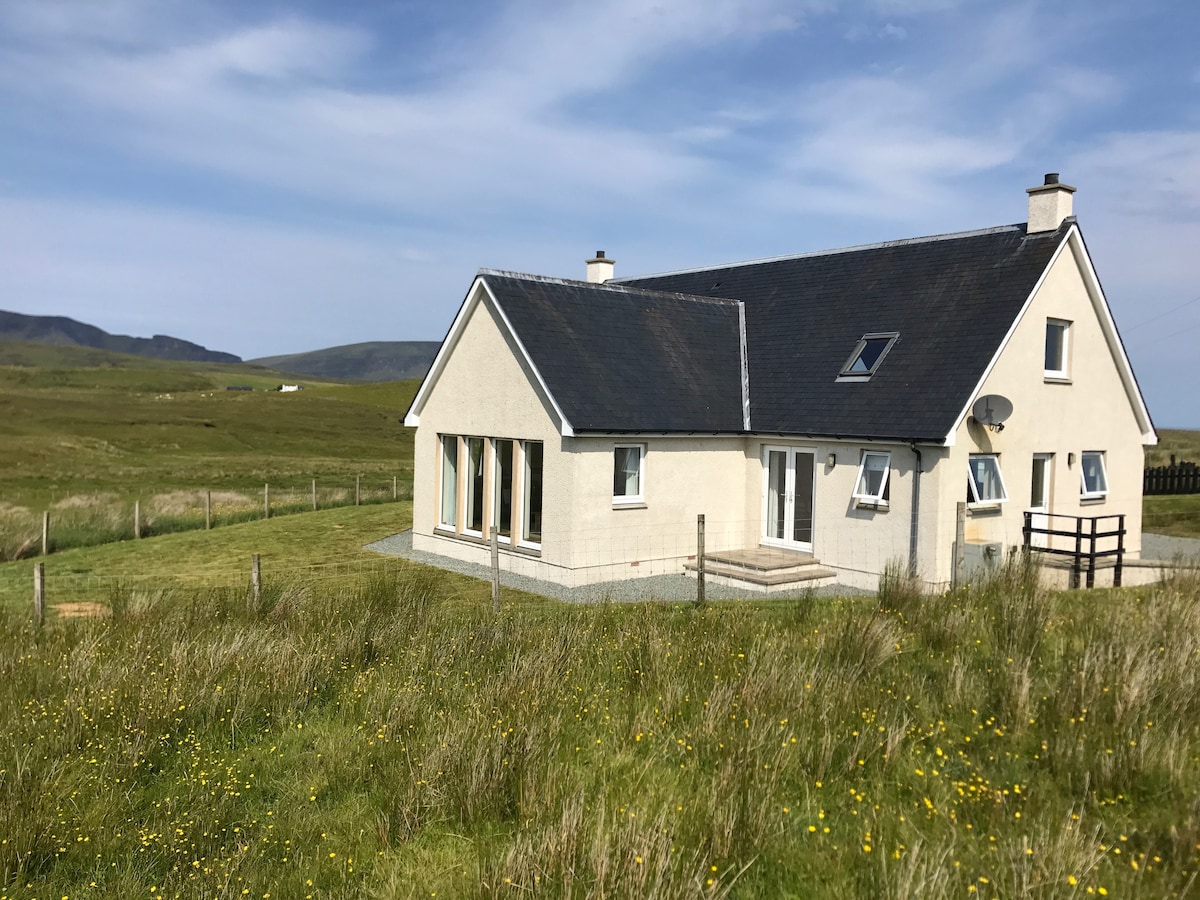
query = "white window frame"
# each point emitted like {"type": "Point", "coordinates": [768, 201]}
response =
{"type": "Point", "coordinates": [640, 496]}
{"type": "Point", "coordinates": [975, 500]}
{"type": "Point", "coordinates": [1063, 371]}
{"type": "Point", "coordinates": [443, 441]}
{"type": "Point", "coordinates": [864, 497]}
{"type": "Point", "coordinates": [526, 496]}
{"type": "Point", "coordinates": [1102, 492]}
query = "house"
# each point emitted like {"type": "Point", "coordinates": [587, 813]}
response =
{"type": "Point", "coordinates": [836, 409]}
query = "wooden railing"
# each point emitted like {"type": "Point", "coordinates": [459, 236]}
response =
{"type": "Point", "coordinates": [1086, 530]}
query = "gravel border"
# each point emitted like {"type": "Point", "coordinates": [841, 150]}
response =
{"type": "Point", "coordinates": [655, 587]}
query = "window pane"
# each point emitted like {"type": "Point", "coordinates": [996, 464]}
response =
{"type": "Point", "coordinates": [985, 475]}
{"type": "Point", "coordinates": [502, 507]}
{"type": "Point", "coordinates": [1094, 480]}
{"type": "Point", "coordinates": [475, 484]}
{"type": "Point", "coordinates": [532, 518]}
{"type": "Point", "coordinates": [871, 482]}
{"type": "Point", "coordinates": [802, 514]}
{"type": "Point", "coordinates": [1056, 333]}
{"type": "Point", "coordinates": [627, 466]}
{"type": "Point", "coordinates": [869, 356]}
{"type": "Point", "coordinates": [449, 479]}
{"type": "Point", "coordinates": [1037, 492]}
{"type": "Point", "coordinates": [776, 492]}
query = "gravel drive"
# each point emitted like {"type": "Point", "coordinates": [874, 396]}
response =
{"type": "Point", "coordinates": [656, 587]}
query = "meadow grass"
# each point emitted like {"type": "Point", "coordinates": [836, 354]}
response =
{"type": "Point", "coordinates": [388, 736]}
{"type": "Point", "coordinates": [87, 439]}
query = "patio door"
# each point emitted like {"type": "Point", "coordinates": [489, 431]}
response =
{"type": "Point", "coordinates": [788, 474]}
{"type": "Point", "coordinates": [1039, 499]}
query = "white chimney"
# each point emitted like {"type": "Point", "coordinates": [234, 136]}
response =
{"type": "Point", "coordinates": [1049, 204]}
{"type": "Point", "coordinates": [599, 269]}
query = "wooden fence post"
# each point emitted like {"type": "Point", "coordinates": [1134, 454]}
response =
{"type": "Point", "coordinates": [395, 495]}
{"type": "Point", "coordinates": [959, 575]}
{"type": "Point", "coordinates": [267, 501]}
{"type": "Point", "coordinates": [256, 579]}
{"type": "Point", "coordinates": [207, 510]}
{"type": "Point", "coordinates": [314, 493]}
{"type": "Point", "coordinates": [39, 594]}
{"type": "Point", "coordinates": [46, 533]}
{"type": "Point", "coordinates": [495, 542]}
{"type": "Point", "coordinates": [700, 599]}
{"type": "Point", "coordinates": [137, 519]}
{"type": "Point", "coordinates": [357, 488]}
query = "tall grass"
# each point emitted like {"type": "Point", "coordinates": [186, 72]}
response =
{"type": "Point", "coordinates": [88, 520]}
{"type": "Point", "coordinates": [381, 741]}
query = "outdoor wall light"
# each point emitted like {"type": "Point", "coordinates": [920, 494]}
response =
{"type": "Point", "coordinates": [832, 460]}
{"type": "Point", "coordinates": [1070, 460]}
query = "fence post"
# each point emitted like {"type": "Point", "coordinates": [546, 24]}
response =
{"type": "Point", "coordinates": [959, 575]}
{"type": "Point", "coordinates": [256, 579]}
{"type": "Point", "coordinates": [700, 599]}
{"type": "Point", "coordinates": [39, 594]}
{"type": "Point", "coordinates": [207, 510]}
{"type": "Point", "coordinates": [267, 501]}
{"type": "Point", "coordinates": [46, 533]}
{"type": "Point", "coordinates": [495, 542]}
{"type": "Point", "coordinates": [1120, 550]}
{"type": "Point", "coordinates": [1091, 573]}
{"type": "Point", "coordinates": [395, 494]}
{"type": "Point", "coordinates": [1075, 567]}
{"type": "Point", "coordinates": [357, 488]}
{"type": "Point", "coordinates": [137, 519]}
{"type": "Point", "coordinates": [314, 492]}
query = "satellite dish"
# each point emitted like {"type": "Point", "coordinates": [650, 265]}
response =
{"type": "Point", "coordinates": [991, 410]}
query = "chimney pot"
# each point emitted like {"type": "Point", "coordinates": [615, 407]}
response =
{"type": "Point", "coordinates": [1051, 178]}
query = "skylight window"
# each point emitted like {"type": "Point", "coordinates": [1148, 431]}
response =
{"type": "Point", "coordinates": [867, 356]}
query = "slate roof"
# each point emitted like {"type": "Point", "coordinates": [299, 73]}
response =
{"type": "Point", "coordinates": [952, 299]}
{"type": "Point", "coordinates": [620, 359]}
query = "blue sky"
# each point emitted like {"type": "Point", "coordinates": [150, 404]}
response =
{"type": "Point", "coordinates": [274, 177]}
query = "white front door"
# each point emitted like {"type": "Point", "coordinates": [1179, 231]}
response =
{"type": "Point", "coordinates": [1039, 498]}
{"type": "Point", "coordinates": [788, 475]}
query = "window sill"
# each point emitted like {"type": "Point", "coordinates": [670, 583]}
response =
{"type": "Point", "coordinates": [1092, 499]}
{"type": "Point", "coordinates": [628, 504]}
{"type": "Point", "coordinates": [1051, 378]}
{"type": "Point", "coordinates": [876, 505]}
{"type": "Point", "coordinates": [986, 508]}
{"type": "Point", "coordinates": [504, 543]}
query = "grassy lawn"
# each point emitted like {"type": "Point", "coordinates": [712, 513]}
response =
{"type": "Point", "coordinates": [389, 736]}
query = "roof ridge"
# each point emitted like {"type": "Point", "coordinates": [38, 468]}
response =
{"type": "Point", "coordinates": [606, 286]}
{"type": "Point", "coordinates": [811, 254]}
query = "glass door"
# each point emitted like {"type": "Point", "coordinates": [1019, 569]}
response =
{"type": "Point", "coordinates": [1039, 499]}
{"type": "Point", "coordinates": [788, 497]}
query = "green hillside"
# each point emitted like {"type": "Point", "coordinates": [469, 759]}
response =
{"type": "Point", "coordinates": [60, 330]}
{"type": "Point", "coordinates": [370, 361]}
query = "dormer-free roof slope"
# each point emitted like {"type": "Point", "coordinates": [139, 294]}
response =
{"type": "Point", "coordinates": [620, 359]}
{"type": "Point", "coordinates": [952, 299]}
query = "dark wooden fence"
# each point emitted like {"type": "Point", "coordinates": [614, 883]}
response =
{"type": "Point", "coordinates": [1081, 530]}
{"type": "Point", "coordinates": [1177, 478]}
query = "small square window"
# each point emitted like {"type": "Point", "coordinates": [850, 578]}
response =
{"type": "Point", "coordinates": [985, 484]}
{"type": "Point", "coordinates": [1093, 481]}
{"type": "Point", "coordinates": [1057, 335]}
{"type": "Point", "coordinates": [873, 483]}
{"type": "Point", "coordinates": [865, 360]}
{"type": "Point", "coordinates": [628, 465]}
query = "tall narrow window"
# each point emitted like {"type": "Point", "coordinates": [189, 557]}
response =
{"type": "Point", "coordinates": [872, 485]}
{"type": "Point", "coordinates": [449, 509]}
{"type": "Point", "coordinates": [502, 504]}
{"type": "Point", "coordinates": [627, 473]}
{"type": "Point", "coordinates": [474, 517]}
{"type": "Point", "coordinates": [1057, 334]}
{"type": "Point", "coordinates": [985, 484]}
{"type": "Point", "coordinates": [1093, 479]}
{"type": "Point", "coordinates": [531, 519]}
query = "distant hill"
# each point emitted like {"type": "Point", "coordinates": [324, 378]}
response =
{"type": "Point", "coordinates": [370, 361]}
{"type": "Point", "coordinates": [62, 331]}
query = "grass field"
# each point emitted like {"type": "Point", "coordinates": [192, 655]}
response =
{"type": "Point", "coordinates": [87, 433]}
{"type": "Point", "coordinates": [388, 736]}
